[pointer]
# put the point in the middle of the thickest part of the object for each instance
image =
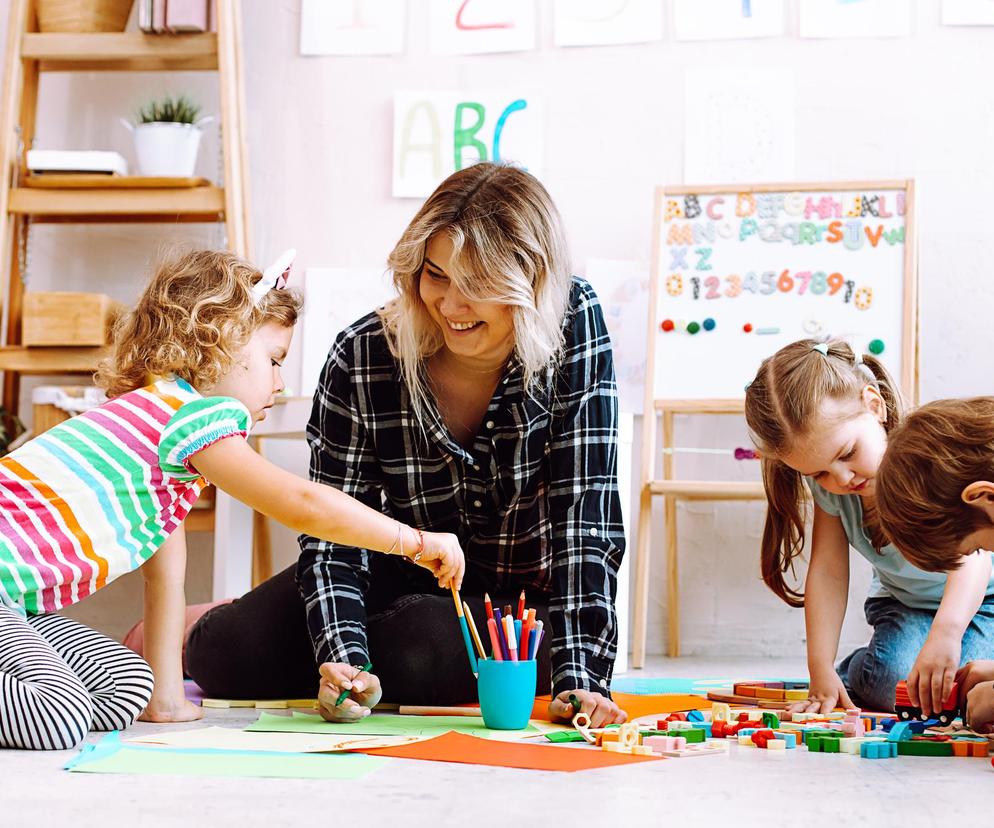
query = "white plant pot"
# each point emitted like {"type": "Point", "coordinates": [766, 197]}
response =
{"type": "Point", "coordinates": [167, 149]}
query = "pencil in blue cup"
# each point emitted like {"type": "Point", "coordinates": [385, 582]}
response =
{"type": "Point", "coordinates": [502, 635]}
{"type": "Point", "coordinates": [465, 632]}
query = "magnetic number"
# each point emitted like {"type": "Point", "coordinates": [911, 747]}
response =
{"type": "Point", "coordinates": [712, 283]}
{"type": "Point", "coordinates": [819, 284]}
{"type": "Point", "coordinates": [695, 284]}
{"type": "Point", "coordinates": [750, 283]}
{"type": "Point", "coordinates": [835, 283]}
{"type": "Point", "coordinates": [769, 283]}
{"type": "Point", "coordinates": [804, 277]}
{"type": "Point", "coordinates": [785, 282]}
{"type": "Point", "coordinates": [734, 286]}
{"type": "Point", "coordinates": [864, 297]}
{"type": "Point", "coordinates": [674, 284]}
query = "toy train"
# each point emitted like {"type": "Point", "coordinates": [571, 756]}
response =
{"type": "Point", "coordinates": [906, 711]}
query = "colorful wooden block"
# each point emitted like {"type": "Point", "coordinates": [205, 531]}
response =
{"type": "Point", "coordinates": [970, 747]}
{"type": "Point", "coordinates": [776, 744]}
{"type": "Point", "coordinates": [917, 748]}
{"type": "Point", "coordinates": [693, 750]}
{"type": "Point", "coordinates": [878, 749]}
{"type": "Point", "coordinates": [771, 720]}
{"type": "Point", "coordinates": [661, 743]}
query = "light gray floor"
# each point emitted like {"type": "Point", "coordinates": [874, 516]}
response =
{"type": "Point", "coordinates": [748, 787]}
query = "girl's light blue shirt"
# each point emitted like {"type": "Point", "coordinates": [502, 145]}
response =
{"type": "Point", "coordinates": [893, 575]}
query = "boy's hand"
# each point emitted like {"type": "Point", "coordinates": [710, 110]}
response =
{"type": "Point", "coordinates": [364, 692]}
{"type": "Point", "coordinates": [976, 693]}
{"type": "Point", "coordinates": [167, 710]}
{"type": "Point", "coordinates": [826, 692]}
{"type": "Point", "coordinates": [601, 710]}
{"type": "Point", "coordinates": [443, 556]}
{"type": "Point", "coordinates": [931, 677]}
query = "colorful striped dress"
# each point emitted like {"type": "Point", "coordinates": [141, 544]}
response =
{"type": "Point", "coordinates": [95, 497]}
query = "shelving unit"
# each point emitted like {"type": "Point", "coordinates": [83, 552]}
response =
{"type": "Point", "coordinates": [29, 53]}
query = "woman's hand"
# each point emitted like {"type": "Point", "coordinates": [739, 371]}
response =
{"type": "Point", "coordinates": [171, 710]}
{"type": "Point", "coordinates": [931, 678]}
{"type": "Point", "coordinates": [976, 694]}
{"type": "Point", "coordinates": [443, 557]}
{"type": "Point", "coordinates": [364, 692]}
{"type": "Point", "coordinates": [601, 710]}
{"type": "Point", "coordinates": [825, 693]}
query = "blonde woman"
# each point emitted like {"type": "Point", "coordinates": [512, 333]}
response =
{"type": "Point", "coordinates": [480, 402]}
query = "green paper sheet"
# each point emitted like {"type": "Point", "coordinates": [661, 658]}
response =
{"type": "Point", "coordinates": [114, 757]}
{"type": "Point", "coordinates": [390, 724]}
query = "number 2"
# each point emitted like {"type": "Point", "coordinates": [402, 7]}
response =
{"type": "Point", "coordinates": [712, 283]}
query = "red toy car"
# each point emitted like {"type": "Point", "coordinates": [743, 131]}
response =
{"type": "Point", "coordinates": [906, 711]}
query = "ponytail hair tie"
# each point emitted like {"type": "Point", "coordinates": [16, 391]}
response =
{"type": "Point", "coordinates": [821, 348]}
{"type": "Point", "coordinates": [274, 277]}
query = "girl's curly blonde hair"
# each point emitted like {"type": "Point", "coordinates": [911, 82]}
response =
{"type": "Point", "coordinates": [195, 314]}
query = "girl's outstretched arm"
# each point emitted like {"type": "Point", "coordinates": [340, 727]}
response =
{"type": "Point", "coordinates": [165, 606]}
{"type": "Point", "coordinates": [931, 678]}
{"type": "Point", "coordinates": [321, 511]}
{"type": "Point", "coordinates": [826, 594]}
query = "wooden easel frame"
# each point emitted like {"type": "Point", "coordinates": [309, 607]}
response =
{"type": "Point", "coordinates": [672, 489]}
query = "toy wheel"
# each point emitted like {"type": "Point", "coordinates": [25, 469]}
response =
{"type": "Point", "coordinates": [946, 719]}
{"type": "Point", "coordinates": [904, 715]}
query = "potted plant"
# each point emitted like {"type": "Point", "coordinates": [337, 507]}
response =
{"type": "Point", "coordinates": [167, 136]}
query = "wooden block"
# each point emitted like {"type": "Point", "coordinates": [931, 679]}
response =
{"type": "Point", "coordinates": [795, 695]}
{"type": "Point", "coordinates": [693, 750]}
{"type": "Point", "coordinates": [770, 693]}
{"type": "Point", "coordinates": [271, 704]}
{"type": "Point", "coordinates": [776, 744]}
{"type": "Point", "coordinates": [642, 750]}
{"type": "Point", "coordinates": [63, 318]}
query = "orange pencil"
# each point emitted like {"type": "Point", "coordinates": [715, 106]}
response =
{"type": "Point", "coordinates": [523, 644]}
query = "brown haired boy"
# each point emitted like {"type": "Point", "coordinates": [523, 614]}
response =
{"type": "Point", "coordinates": [935, 497]}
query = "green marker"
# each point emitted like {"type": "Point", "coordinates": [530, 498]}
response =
{"type": "Point", "coordinates": [345, 693]}
{"type": "Point", "coordinates": [573, 700]}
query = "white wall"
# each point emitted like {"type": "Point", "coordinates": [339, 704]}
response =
{"type": "Point", "coordinates": [319, 144]}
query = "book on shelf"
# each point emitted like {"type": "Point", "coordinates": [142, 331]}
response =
{"type": "Point", "coordinates": [76, 161]}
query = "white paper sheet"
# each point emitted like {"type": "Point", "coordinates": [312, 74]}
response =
{"type": "Point", "coordinates": [473, 27]}
{"type": "Point", "coordinates": [352, 27]}
{"type": "Point", "coordinates": [855, 18]}
{"type": "Point", "coordinates": [727, 19]}
{"type": "Point", "coordinates": [606, 22]}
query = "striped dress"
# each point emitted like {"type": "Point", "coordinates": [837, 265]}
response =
{"type": "Point", "coordinates": [95, 497]}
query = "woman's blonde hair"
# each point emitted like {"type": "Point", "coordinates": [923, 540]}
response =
{"type": "Point", "coordinates": [192, 318]}
{"type": "Point", "coordinates": [508, 247]}
{"type": "Point", "coordinates": [783, 404]}
{"type": "Point", "coordinates": [931, 457]}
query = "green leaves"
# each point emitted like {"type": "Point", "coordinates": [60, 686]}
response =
{"type": "Point", "coordinates": [181, 110]}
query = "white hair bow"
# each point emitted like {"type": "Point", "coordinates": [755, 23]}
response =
{"type": "Point", "coordinates": [275, 276]}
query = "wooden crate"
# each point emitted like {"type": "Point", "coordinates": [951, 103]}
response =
{"type": "Point", "coordinates": [61, 318]}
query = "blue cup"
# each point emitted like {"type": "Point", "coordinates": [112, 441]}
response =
{"type": "Point", "coordinates": [507, 693]}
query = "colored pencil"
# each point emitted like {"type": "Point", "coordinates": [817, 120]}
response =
{"type": "Point", "coordinates": [521, 606]}
{"type": "Point", "coordinates": [512, 642]}
{"type": "Point", "coordinates": [507, 611]}
{"type": "Point", "coordinates": [488, 605]}
{"type": "Point", "coordinates": [465, 632]}
{"type": "Point", "coordinates": [425, 710]}
{"type": "Point", "coordinates": [502, 635]}
{"type": "Point", "coordinates": [537, 640]}
{"type": "Point", "coordinates": [473, 631]}
{"type": "Point", "coordinates": [345, 693]}
{"type": "Point", "coordinates": [494, 640]}
{"type": "Point", "coordinates": [526, 629]}
{"type": "Point", "coordinates": [517, 631]}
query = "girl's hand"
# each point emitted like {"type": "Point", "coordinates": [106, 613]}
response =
{"type": "Point", "coordinates": [976, 694]}
{"type": "Point", "coordinates": [443, 556]}
{"type": "Point", "coordinates": [168, 710]}
{"type": "Point", "coordinates": [364, 692]}
{"type": "Point", "coordinates": [825, 694]}
{"type": "Point", "coordinates": [601, 710]}
{"type": "Point", "coordinates": [931, 677]}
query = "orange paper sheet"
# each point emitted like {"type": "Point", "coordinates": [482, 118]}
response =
{"type": "Point", "coordinates": [470, 750]}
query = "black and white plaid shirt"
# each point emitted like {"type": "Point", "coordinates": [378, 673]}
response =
{"type": "Point", "coordinates": [534, 502]}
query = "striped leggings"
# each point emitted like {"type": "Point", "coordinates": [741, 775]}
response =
{"type": "Point", "coordinates": [59, 680]}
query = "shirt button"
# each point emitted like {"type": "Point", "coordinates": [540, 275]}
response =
{"type": "Point", "coordinates": [477, 504]}
{"type": "Point", "coordinates": [593, 532]}
{"type": "Point", "coordinates": [476, 467]}
{"type": "Point", "coordinates": [603, 683]}
{"type": "Point", "coordinates": [490, 423]}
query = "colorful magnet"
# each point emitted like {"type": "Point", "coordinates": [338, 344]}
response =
{"type": "Point", "coordinates": [667, 325]}
{"type": "Point", "coordinates": [767, 331]}
{"type": "Point", "coordinates": [876, 347]}
{"type": "Point", "coordinates": [708, 324]}
{"type": "Point", "coordinates": [747, 327]}
{"type": "Point", "coordinates": [693, 327]}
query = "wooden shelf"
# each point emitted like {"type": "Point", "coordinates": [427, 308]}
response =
{"type": "Point", "coordinates": [708, 490]}
{"type": "Point", "coordinates": [193, 204]}
{"type": "Point", "coordinates": [39, 360]}
{"type": "Point", "coordinates": [199, 520]}
{"type": "Point", "coordinates": [120, 51]}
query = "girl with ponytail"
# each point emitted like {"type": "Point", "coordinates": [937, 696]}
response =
{"type": "Point", "coordinates": [819, 414]}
